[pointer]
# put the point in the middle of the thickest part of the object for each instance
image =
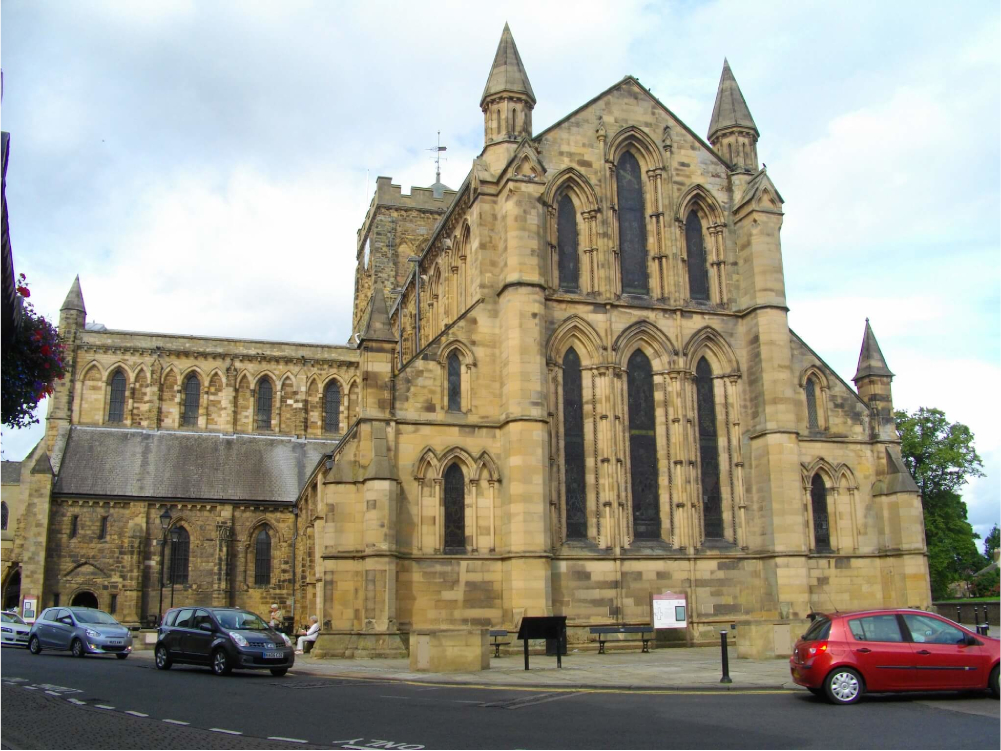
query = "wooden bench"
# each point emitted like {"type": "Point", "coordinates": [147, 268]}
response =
{"type": "Point", "coordinates": [497, 635]}
{"type": "Point", "coordinates": [646, 635]}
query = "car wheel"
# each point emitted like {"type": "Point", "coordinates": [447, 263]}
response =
{"type": "Point", "coordinates": [992, 682]}
{"type": "Point", "coordinates": [121, 657]}
{"type": "Point", "coordinates": [34, 646]}
{"type": "Point", "coordinates": [278, 672]}
{"type": "Point", "coordinates": [220, 662]}
{"type": "Point", "coordinates": [843, 686]}
{"type": "Point", "coordinates": [77, 648]}
{"type": "Point", "coordinates": [162, 658]}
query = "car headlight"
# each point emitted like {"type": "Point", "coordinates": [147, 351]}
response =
{"type": "Point", "coordinates": [7, 630]}
{"type": "Point", "coordinates": [92, 633]}
{"type": "Point", "coordinates": [238, 638]}
{"type": "Point", "coordinates": [288, 642]}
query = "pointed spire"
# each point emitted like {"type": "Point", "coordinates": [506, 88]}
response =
{"type": "Point", "coordinates": [74, 300]}
{"type": "Point", "coordinates": [730, 109]}
{"type": "Point", "coordinates": [870, 359]}
{"type": "Point", "coordinates": [507, 73]}
{"type": "Point", "coordinates": [378, 327]}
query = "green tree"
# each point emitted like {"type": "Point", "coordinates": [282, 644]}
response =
{"type": "Point", "coordinates": [941, 458]}
{"type": "Point", "coordinates": [992, 543]}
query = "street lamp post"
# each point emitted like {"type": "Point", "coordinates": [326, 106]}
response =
{"type": "Point", "coordinates": [295, 534]}
{"type": "Point", "coordinates": [164, 525]}
{"type": "Point", "coordinates": [174, 534]}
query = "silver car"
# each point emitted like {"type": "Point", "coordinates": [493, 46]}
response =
{"type": "Point", "coordinates": [82, 631]}
{"type": "Point", "coordinates": [15, 630]}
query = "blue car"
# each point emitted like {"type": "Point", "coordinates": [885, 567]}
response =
{"type": "Point", "coordinates": [82, 631]}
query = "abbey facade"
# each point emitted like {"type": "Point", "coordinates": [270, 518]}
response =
{"type": "Point", "coordinates": [573, 386]}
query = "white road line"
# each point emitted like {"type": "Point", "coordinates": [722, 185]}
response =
{"type": "Point", "coordinates": [463, 701]}
{"type": "Point", "coordinates": [103, 706]}
{"type": "Point", "coordinates": [77, 702]}
{"type": "Point", "coordinates": [177, 722]}
{"type": "Point", "coordinates": [227, 732]}
{"type": "Point", "coordinates": [135, 714]}
{"type": "Point", "coordinates": [31, 688]}
{"type": "Point", "coordinates": [52, 693]}
{"type": "Point", "coordinates": [390, 696]}
{"type": "Point", "coordinates": [283, 738]}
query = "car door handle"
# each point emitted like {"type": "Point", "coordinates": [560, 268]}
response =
{"type": "Point", "coordinates": [923, 652]}
{"type": "Point", "coordinates": [863, 650]}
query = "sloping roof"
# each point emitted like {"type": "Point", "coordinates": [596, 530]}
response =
{"type": "Point", "coordinates": [111, 462]}
{"type": "Point", "coordinates": [377, 328]}
{"type": "Point", "coordinates": [870, 359]}
{"type": "Point", "coordinates": [10, 473]}
{"type": "Point", "coordinates": [730, 109]}
{"type": "Point", "coordinates": [74, 298]}
{"type": "Point", "coordinates": [507, 72]}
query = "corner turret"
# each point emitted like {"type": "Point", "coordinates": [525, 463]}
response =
{"type": "Point", "coordinates": [732, 131]}
{"type": "Point", "coordinates": [872, 379]}
{"type": "Point", "coordinates": [73, 313]}
{"type": "Point", "coordinates": [507, 103]}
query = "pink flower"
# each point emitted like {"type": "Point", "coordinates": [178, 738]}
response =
{"type": "Point", "coordinates": [24, 292]}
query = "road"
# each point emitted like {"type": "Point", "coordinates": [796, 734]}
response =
{"type": "Point", "coordinates": [56, 701]}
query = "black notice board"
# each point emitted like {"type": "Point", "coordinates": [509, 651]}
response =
{"type": "Point", "coordinates": [544, 627]}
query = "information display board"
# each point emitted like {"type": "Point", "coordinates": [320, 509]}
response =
{"type": "Point", "coordinates": [670, 610]}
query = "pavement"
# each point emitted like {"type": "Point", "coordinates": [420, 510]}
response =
{"type": "Point", "coordinates": [672, 669]}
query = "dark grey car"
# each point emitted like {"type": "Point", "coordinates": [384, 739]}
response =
{"type": "Point", "coordinates": [82, 631]}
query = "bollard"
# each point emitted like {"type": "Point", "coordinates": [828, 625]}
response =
{"type": "Point", "coordinates": [976, 615]}
{"type": "Point", "coordinates": [726, 659]}
{"type": "Point", "coordinates": [959, 614]}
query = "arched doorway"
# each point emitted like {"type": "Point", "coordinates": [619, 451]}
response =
{"type": "Point", "coordinates": [12, 591]}
{"type": "Point", "coordinates": [84, 600]}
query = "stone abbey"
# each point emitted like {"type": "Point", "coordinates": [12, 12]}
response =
{"type": "Point", "coordinates": [573, 386]}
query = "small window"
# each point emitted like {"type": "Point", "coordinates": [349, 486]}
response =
{"type": "Point", "coordinates": [883, 628]}
{"type": "Point", "coordinates": [185, 618]}
{"type": "Point", "coordinates": [821, 522]}
{"type": "Point", "coordinates": [114, 604]}
{"type": "Point", "coordinates": [332, 408]}
{"type": "Point", "coordinates": [454, 383]}
{"type": "Point", "coordinates": [171, 617]}
{"type": "Point", "coordinates": [201, 618]}
{"type": "Point", "coordinates": [116, 404]}
{"type": "Point", "coordinates": [179, 552]}
{"type": "Point", "coordinates": [264, 395]}
{"type": "Point", "coordinates": [74, 521]}
{"type": "Point", "coordinates": [813, 423]}
{"type": "Point", "coordinates": [192, 395]}
{"type": "Point", "coordinates": [262, 559]}
{"type": "Point", "coordinates": [3, 515]}
{"type": "Point", "coordinates": [102, 533]}
{"type": "Point", "coordinates": [927, 630]}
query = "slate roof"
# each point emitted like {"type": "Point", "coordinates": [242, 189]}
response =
{"type": "Point", "coordinates": [870, 359]}
{"type": "Point", "coordinates": [111, 462]}
{"type": "Point", "coordinates": [10, 473]}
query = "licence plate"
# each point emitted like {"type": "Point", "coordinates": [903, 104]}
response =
{"type": "Point", "coordinates": [116, 642]}
{"type": "Point", "coordinates": [273, 655]}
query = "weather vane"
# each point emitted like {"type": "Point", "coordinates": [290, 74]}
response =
{"type": "Point", "coordinates": [437, 158]}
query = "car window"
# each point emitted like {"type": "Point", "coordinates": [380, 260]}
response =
{"type": "Point", "coordinates": [171, 617]}
{"type": "Point", "coordinates": [927, 630]}
{"type": "Point", "coordinates": [86, 615]}
{"type": "Point", "coordinates": [51, 614]}
{"type": "Point", "coordinates": [185, 617]}
{"type": "Point", "coordinates": [65, 617]}
{"type": "Point", "coordinates": [876, 628]}
{"type": "Point", "coordinates": [820, 629]}
{"type": "Point", "coordinates": [201, 617]}
{"type": "Point", "coordinates": [13, 618]}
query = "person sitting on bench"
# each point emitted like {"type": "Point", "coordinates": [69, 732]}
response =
{"type": "Point", "coordinates": [308, 634]}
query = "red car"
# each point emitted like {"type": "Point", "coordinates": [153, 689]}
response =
{"type": "Point", "coordinates": [843, 655]}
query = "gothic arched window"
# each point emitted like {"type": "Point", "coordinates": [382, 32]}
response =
{"type": "Point", "coordinates": [3, 515]}
{"type": "Point", "coordinates": [821, 523]}
{"type": "Point", "coordinates": [264, 394]}
{"type": "Point", "coordinates": [712, 500]}
{"type": "Point", "coordinates": [116, 404]}
{"type": "Point", "coordinates": [566, 239]}
{"type": "Point", "coordinates": [262, 558]}
{"type": "Point", "coordinates": [192, 394]}
{"type": "Point", "coordinates": [632, 226]}
{"type": "Point", "coordinates": [454, 383]}
{"type": "Point", "coordinates": [332, 408]}
{"type": "Point", "coordinates": [698, 274]}
{"type": "Point", "coordinates": [455, 509]}
{"type": "Point", "coordinates": [813, 423]}
{"type": "Point", "coordinates": [180, 551]}
{"type": "Point", "coordinates": [573, 447]}
{"type": "Point", "coordinates": [643, 448]}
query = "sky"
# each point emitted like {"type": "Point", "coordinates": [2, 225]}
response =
{"type": "Point", "coordinates": [204, 166]}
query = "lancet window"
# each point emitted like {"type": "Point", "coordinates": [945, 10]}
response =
{"type": "Point", "coordinates": [455, 509]}
{"type": "Point", "coordinates": [454, 383]}
{"type": "Point", "coordinates": [116, 403]}
{"type": "Point", "coordinates": [192, 396]}
{"type": "Point", "coordinates": [262, 558]}
{"type": "Point", "coordinates": [812, 419]}
{"type": "Point", "coordinates": [265, 392]}
{"type": "Point", "coordinates": [180, 551]}
{"type": "Point", "coordinates": [698, 273]}
{"type": "Point", "coordinates": [712, 500]}
{"type": "Point", "coordinates": [566, 228]}
{"type": "Point", "coordinates": [643, 448]}
{"type": "Point", "coordinates": [821, 522]}
{"type": "Point", "coordinates": [332, 408]}
{"type": "Point", "coordinates": [573, 447]}
{"type": "Point", "coordinates": [632, 226]}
